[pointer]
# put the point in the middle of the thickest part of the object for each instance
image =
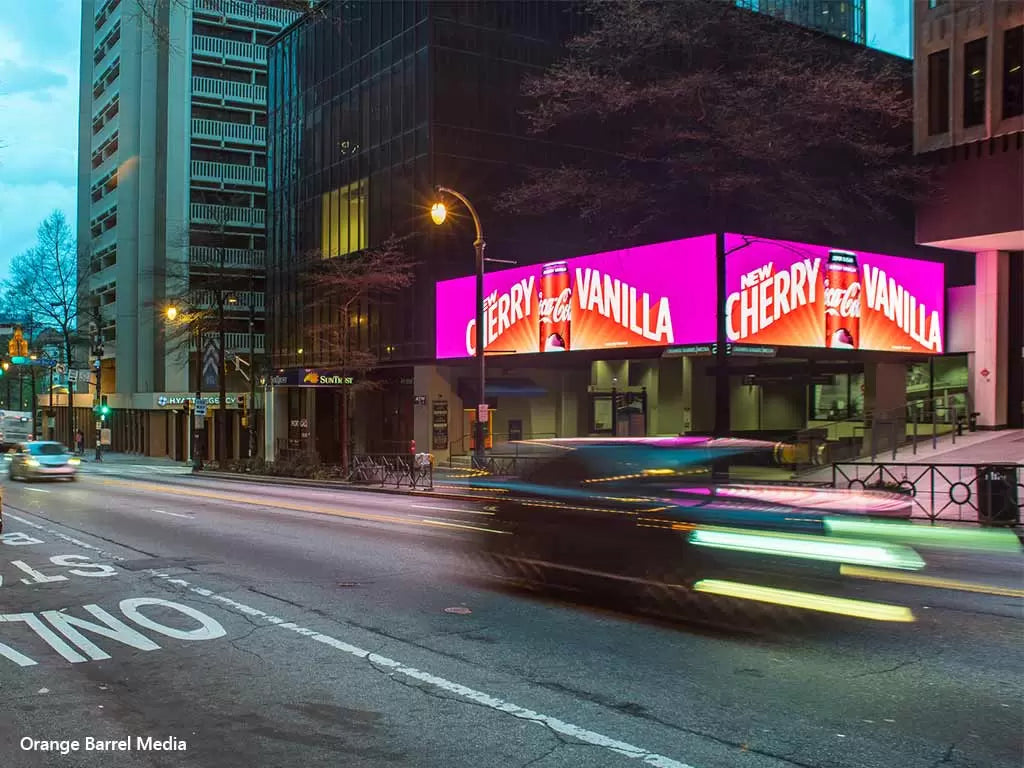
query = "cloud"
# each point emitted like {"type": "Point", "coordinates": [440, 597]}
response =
{"type": "Point", "coordinates": [15, 78]}
{"type": "Point", "coordinates": [39, 63]}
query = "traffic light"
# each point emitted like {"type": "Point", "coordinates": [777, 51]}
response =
{"type": "Point", "coordinates": [104, 408]}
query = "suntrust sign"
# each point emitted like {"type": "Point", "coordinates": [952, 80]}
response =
{"type": "Point", "coordinates": [795, 294]}
{"type": "Point", "coordinates": [652, 295]}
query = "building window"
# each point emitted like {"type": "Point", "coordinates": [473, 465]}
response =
{"type": "Point", "coordinates": [343, 220]}
{"type": "Point", "coordinates": [938, 92]}
{"type": "Point", "coordinates": [1013, 72]}
{"type": "Point", "coordinates": [974, 82]}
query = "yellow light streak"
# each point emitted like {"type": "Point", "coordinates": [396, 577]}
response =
{"type": "Point", "coordinates": [842, 606]}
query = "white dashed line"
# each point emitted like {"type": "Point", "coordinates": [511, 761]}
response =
{"type": "Point", "coordinates": [469, 694]}
{"type": "Point", "coordinates": [172, 514]}
{"type": "Point", "coordinates": [37, 490]}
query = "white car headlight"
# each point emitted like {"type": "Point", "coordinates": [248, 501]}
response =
{"type": "Point", "coordinates": [33, 462]}
{"type": "Point", "coordinates": [74, 460]}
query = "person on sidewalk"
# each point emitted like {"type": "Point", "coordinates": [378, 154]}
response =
{"type": "Point", "coordinates": [80, 442]}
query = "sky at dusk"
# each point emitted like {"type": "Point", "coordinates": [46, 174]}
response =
{"type": "Point", "coordinates": [39, 62]}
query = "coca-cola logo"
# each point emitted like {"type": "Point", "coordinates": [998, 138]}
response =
{"type": "Point", "coordinates": [844, 302]}
{"type": "Point", "coordinates": [557, 309]}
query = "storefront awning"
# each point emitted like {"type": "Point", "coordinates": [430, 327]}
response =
{"type": "Point", "coordinates": [500, 387]}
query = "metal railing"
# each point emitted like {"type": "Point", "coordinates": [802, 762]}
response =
{"type": "Point", "coordinates": [395, 469]}
{"type": "Point", "coordinates": [940, 492]}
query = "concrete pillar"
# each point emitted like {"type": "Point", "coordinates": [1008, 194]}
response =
{"type": "Point", "coordinates": [885, 405]}
{"type": "Point", "coordinates": [991, 338]}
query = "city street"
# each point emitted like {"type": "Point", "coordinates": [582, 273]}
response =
{"type": "Point", "coordinates": [242, 624]}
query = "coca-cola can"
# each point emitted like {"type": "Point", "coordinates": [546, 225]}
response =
{"type": "Point", "coordinates": [554, 302]}
{"type": "Point", "coordinates": [842, 300]}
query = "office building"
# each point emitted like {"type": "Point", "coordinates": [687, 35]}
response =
{"type": "Point", "coordinates": [847, 19]}
{"type": "Point", "coordinates": [171, 199]}
{"type": "Point", "coordinates": [969, 122]}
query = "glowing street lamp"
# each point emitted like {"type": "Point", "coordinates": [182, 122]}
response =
{"type": "Point", "coordinates": [438, 214]}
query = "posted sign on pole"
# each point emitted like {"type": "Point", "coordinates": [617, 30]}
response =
{"type": "Point", "coordinates": [201, 407]}
{"type": "Point", "coordinates": [481, 412]}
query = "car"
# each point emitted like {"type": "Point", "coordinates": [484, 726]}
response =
{"type": "Point", "coordinates": [656, 522]}
{"type": "Point", "coordinates": [41, 459]}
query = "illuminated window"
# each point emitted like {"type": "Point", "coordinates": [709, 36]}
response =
{"type": "Point", "coordinates": [343, 220]}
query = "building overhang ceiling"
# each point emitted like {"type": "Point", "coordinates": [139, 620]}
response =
{"type": "Point", "coordinates": [993, 241]}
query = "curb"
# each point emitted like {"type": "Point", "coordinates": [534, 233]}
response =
{"type": "Point", "coordinates": [332, 484]}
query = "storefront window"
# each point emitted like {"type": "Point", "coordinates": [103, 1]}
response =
{"type": "Point", "coordinates": [839, 400]}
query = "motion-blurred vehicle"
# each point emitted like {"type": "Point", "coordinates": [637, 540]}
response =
{"type": "Point", "coordinates": [664, 523]}
{"type": "Point", "coordinates": [43, 459]}
{"type": "Point", "coordinates": [15, 428]}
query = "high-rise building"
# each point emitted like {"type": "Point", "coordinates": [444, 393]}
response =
{"type": "Point", "coordinates": [847, 19]}
{"type": "Point", "coordinates": [171, 198]}
{"type": "Point", "coordinates": [969, 121]}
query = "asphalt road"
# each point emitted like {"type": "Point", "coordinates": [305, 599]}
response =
{"type": "Point", "coordinates": [250, 625]}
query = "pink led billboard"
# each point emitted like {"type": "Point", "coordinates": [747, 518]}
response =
{"type": "Point", "coordinates": [649, 296]}
{"type": "Point", "coordinates": [794, 294]}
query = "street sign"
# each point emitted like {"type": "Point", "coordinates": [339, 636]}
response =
{"type": "Point", "coordinates": [46, 362]}
{"type": "Point", "coordinates": [72, 375]}
{"type": "Point", "coordinates": [201, 407]}
{"type": "Point", "coordinates": [211, 365]}
{"type": "Point", "coordinates": [96, 363]}
{"type": "Point", "coordinates": [21, 360]}
{"type": "Point", "coordinates": [481, 412]}
{"type": "Point", "coordinates": [61, 368]}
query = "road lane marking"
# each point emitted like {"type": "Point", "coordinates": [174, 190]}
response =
{"type": "Point", "coordinates": [172, 514]}
{"type": "Point", "coordinates": [269, 503]}
{"type": "Point", "coordinates": [58, 534]}
{"type": "Point", "coordinates": [37, 490]}
{"type": "Point", "coordinates": [447, 524]}
{"type": "Point", "coordinates": [451, 509]}
{"type": "Point", "coordinates": [464, 692]}
{"type": "Point", "coordinates": [936, 582]}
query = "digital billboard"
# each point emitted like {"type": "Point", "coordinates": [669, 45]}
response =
{"type": "Point", "coordinates": [652, 295]}
{"type": "Point", "coordinates": [793, 294]}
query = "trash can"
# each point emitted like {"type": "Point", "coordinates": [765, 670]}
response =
{"type": "Point", "coordinates": [972, 422]}
{"type": "Point", "coordinates": [997, 495]}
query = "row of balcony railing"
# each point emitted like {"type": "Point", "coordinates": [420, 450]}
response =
{"type": "Point", "coordinates": [245, 11]}
{"type": "Point", "coordinates": [229, 90]}
{"type": "Point", "coordinates": [229, 133]}
{"type": "Point", "coordinates": [234, 342]}
{"type": "Point", "coordinates": [246, 300]}
{"type": "Point", "coordinates": [233, 258]}
{"type": "Point", "coordinates": [229, 50]}
{"type": "Point", "coordinates": [227, 215]}
{"type": "Point", "coordinates": [229, 173]}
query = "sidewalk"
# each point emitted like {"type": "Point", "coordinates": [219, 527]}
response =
{"type": "Point", "coordinates": [131, 458]}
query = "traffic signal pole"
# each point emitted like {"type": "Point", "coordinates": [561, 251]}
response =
{"type": "Point", "coordinates": [96, 410]}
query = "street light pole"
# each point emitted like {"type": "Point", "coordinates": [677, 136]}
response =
{"type": "Point", "coordinates": [251, 415]}
{"type": "Point", "coordinates": [479, 451]}
{"type": "Point", "coordinates": [197, 456]}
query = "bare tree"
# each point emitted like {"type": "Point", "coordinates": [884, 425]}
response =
{"type": "Point", "coordinates": [45, 283]}
{"type": "Point", "coordinates": [698, 111]}
{"type": "Point", "coordinates": [342, 285]}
